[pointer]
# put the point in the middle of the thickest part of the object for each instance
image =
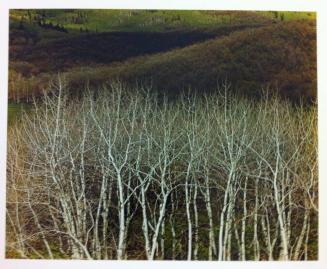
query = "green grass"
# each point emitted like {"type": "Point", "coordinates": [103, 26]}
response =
{"type": "Point", "coordinates": [15, 110]}
{"type": "Point", "coordinates": [106, 20]}
{"type": "Point", "coordinates": [290, 15]}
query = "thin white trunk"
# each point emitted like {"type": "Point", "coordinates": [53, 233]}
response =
{"type": "Point", "coordinates": [196, 223]}
{"type": "Point", "coordinates": [189, 221]}
{"type": "Point", "coordinates": [299, 242]}
{"type": "Point", "coordinates": [243, 255]}
{"type": "Point", "coordinates": [255, 241]}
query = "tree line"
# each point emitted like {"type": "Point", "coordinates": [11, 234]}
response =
{"type": "Point", "coordinates": [126, 175]}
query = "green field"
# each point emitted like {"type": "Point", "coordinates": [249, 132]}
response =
{"type": "Point", "coordinates": [151, 20]}
{"type": "Point", "coordinates": [16, 110]}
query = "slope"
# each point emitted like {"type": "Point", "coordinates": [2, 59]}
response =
{"type": "Point", "coordinates": [282, 56]}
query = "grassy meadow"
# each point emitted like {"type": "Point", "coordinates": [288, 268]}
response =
{"type": "Point", "coordinates": [162, 135]}
{"type": "Point", "coordinates": [15, 111]}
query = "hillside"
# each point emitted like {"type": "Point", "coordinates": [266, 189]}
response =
{"type": "Point", "coordinates": [107, 20]}
{"type": "Point", "coordinates": [105, 48]}
{"type": "Point", "coordinates": [282, 56]}
{"type": "Point", "coordinates": [169, 48]}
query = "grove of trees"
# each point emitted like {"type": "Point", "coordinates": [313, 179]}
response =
{"type": "Point", "coordinates": [127, 175]}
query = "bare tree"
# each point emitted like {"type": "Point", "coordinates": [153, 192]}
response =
{"type": "Point", "coordinates": [126, 175]}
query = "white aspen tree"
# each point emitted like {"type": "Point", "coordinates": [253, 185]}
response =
{"type": "Point", "coordinates": [163, 184]}
{"type": "Point", "coordinates": [172, 222]}
{"type": "Point", "coordinates": [50, 139]}
{"type": "Point", "coordinates": [255, 241]}
{"type": "Point", "coordinates": [188, 186]}
{"type": "Point", "coordinates": [233, 140]}
{"type": "Point", "coordinates": [166, 158]}
{"type": "Point", "coordinates": [270, 238]}
{"type": "Point", "coordinates": [119, 159]}
{"type": "Point", "coordinates": [55, 135]}
{"type": "Point", "coordinates": [245, 214]}
{"type": "Point", "coordinates": [188, 194]}
{"type": "Point", "coordinates": [195, 148]}
{"type": "Point", "coordinates": [299, 242]}
{"type": "Point", "coordinates": [275, 170]}
{"type": "Point", "coordinates": [307, 241]}
{"type": "Point", "coordinates": [103, 212]}
{"type": "Point", "coordinates": [205, 190]}
{"type": "Point", "coordinates": [238, 241]}
{"type": "Point", "coordinates": [145, 180]}
{"type": "Point", "coordinates": [162, 240]}
{"type": "Point", "coordinates": [196, 223]}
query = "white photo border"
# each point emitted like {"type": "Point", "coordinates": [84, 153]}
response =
{"type": "Point", "coordinates": [319, 6]}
